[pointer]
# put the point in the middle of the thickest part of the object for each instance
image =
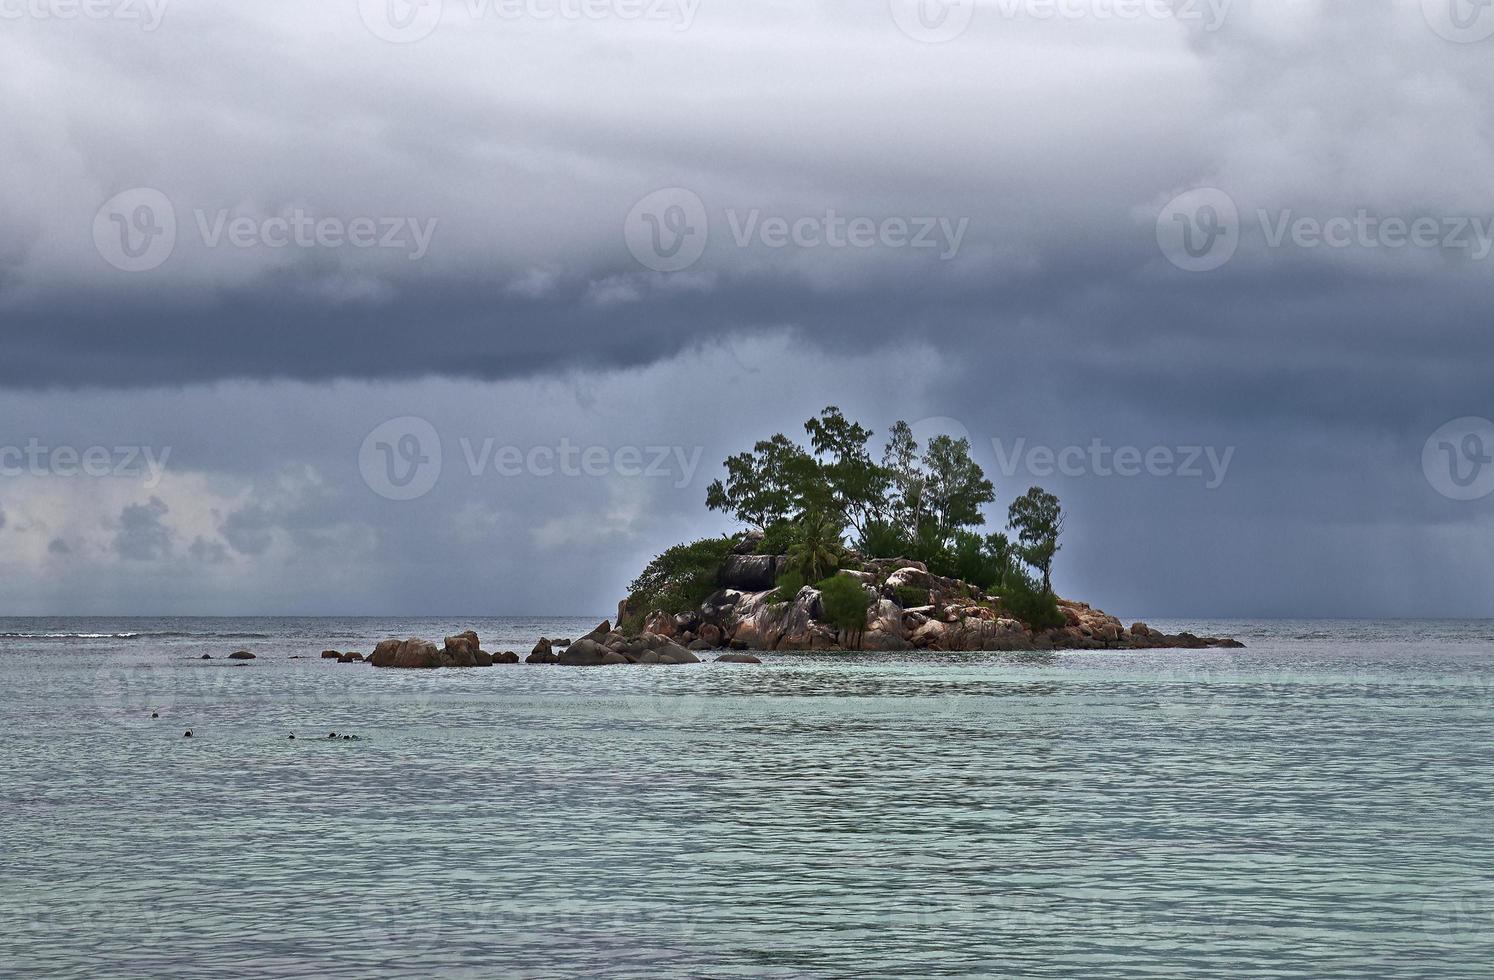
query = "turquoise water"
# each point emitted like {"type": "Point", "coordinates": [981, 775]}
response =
{"type": "Point", "coordinates": [1316, 805]}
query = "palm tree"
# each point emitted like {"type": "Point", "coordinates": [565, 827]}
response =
{"type": "Point", "coordinates": [816, 547]}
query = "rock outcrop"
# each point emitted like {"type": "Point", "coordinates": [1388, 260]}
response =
{"type": "Point", "coordinates": [462, 650]}
{"type": "Point", "coordinates": [909, 608]}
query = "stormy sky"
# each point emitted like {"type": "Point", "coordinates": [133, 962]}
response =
{"type": "Point", "coordinates": [421, 308]}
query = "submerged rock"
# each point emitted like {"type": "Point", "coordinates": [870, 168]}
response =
{"type": "Point", "coordinates": [241, 655]}
{"type": "Point", "coordinates": [737, 658]}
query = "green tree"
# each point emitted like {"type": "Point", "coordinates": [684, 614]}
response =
{"type": "Point", "coordinates": [816, 550]}
{"type": "Point", "coordinates": [981, 561]}
{"type": "Point", "coordinates": [1038, 520]}
{"type": "Point", "coordinates": [845, 602]}
{"type": "Point", "coordinates": [955, 488]}
{"type": "Point", "coordinates": [856, 485]}
{"type": "Point", "coordinates": [766, 486]}
{"type": "Point", "coordinates": [905, 481]}
{"type": "Point", "coordinates": [883, 539]}
{"type": "Point", "coordinates": [681, 578]}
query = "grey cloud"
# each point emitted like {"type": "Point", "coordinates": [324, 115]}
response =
{"type": "Point", "coordinates": [143, 534]}
{"type": "Point", "coordinates": [208, 552]}
{"type": "Point", "coordinates": [57, 546]}
{"type": "Point", "coordinates": [248, 530]}
{"type": "Point", "coordinates": [1060, 320]}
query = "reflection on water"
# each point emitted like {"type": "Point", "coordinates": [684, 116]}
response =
{"type": "Point", "coordinates": [1304, 807]}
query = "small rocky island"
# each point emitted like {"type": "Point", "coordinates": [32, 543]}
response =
{"type": "Point", "coordinates": [840, 552]}
{"type": "Point", "coordinates": [908, 608]}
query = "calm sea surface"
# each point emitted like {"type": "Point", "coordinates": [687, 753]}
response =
{"type": "Point", "coordinates": [1320, 804]}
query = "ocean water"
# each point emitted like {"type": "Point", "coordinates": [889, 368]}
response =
{"type": "Point", "coordinates": [1319, 804]}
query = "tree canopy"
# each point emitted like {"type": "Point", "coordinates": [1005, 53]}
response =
{"type": "Point", "coordinates": [921, 502]}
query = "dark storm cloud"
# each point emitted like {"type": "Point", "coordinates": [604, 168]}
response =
{"type": "Point", "coordinates": [1059, 320]}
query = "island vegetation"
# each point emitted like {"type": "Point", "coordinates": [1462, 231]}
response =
{"type": "Point", "coordinates": [842, 546]}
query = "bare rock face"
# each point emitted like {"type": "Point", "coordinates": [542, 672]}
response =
{"type": "Point", "coordinates": [241, 655]}
{"type": "Point", "coordinates": [417, 654]}
{"type": "Point", "coordinates": [737, 658]}
{"type": "Point", "coordinates": [710, 635]}
{"type": "Point", "coordinates": [506, 657]}
{"type": "Point", "coordinates": [884, 627]}
{"type": "Point", "coordinates": [660, 623]}
{"type": "Point", "coordinates": [410, 654]}
{"type": "Point", "coordinates": [673, 653]}
{"type": "Point", "coordinates": [541, 649]}
{"type": "Point", "coordinates": [331, 655]}
{"type": "Point", "coordinates": [460, 650]}
{"type": "Point", "coordinates": [541, 657]}
{"type": "Point", "coordinates": [759, 623]}
{"type": "Point", "coordinates": [750, 573]}
{"type": "Point", "coordinates": [585, 652]}
{"type": "Point", "coordinates": [600, 633]}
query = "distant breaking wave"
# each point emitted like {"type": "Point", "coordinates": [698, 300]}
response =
{"type": "Point", "coordinates": [134, 636]}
